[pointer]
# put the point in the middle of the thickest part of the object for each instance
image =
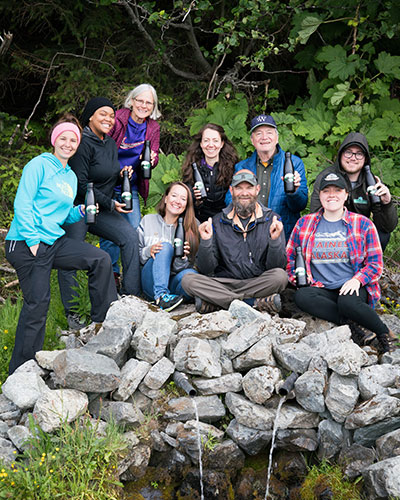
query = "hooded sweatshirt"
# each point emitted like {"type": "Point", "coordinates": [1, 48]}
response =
{"type": "Point", "coordinates": [384, 216]}
{"type": "Point", "coordinates": [44, 201]}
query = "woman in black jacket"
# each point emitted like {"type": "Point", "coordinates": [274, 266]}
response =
{"type": "Point", "coordinates": [215, 156]}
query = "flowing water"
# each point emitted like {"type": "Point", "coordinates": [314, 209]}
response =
{"type": "Point", "coordinates": [275, 428]}
{"type": "Point", "coordinates": [199, 445]}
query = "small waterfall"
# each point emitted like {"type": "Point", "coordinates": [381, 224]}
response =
{"type": "Point", "coordinates": [275, 428]}
{"type": "Point", "coordinates": [199, 445]}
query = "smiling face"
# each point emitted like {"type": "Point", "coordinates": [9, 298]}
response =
{"type": "Point", "coordinates": [265, 139]}
{"type": "Point", "coordinates": [211, 144]}
{"type": "Point", "coordinates": [102, 121]}
{"type": "Point", "coordinates": [333, 199]}
{"type": "Point", "coordinates": [352, 161]}
{"type": "Point", "coordinates": [65, 146]}
{"type": "Point", "coordinates": [244, 198]}
{"type": "Point", "coordinates": [176, 201]}
{"type": "Point", "coordinates": [142, 106]}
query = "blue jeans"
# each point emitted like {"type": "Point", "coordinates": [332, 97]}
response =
{"type": "Point", "coordinates": [134, 220]}
{"type": "Point", "coordinates": [156, 275]}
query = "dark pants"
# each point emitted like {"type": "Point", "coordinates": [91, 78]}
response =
{"type": "Point", "coordinates": [384, 239]}
{"type": "Point", "coordinates": [329, 305]}
{"type": "Point", "coordinates": [111, 226]}
{"type": "Point", "coordinates": [34, 278]}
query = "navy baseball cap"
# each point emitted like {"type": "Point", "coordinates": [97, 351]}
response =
{"type": "Point", "coordinates": [262, 120]}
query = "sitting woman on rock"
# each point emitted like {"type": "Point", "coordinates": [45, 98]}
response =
{"type": "Point", "coordinates": [162, 272]}
{"type": "Point", "coordinates": [36, 242]}
{"type": "Point", "coordinates": [343, 261]}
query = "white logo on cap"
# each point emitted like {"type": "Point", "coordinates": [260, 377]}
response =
{"type": "Point", "coordinates": [261, 118]}
{"type": "Point", "coordinates": [332, 177]}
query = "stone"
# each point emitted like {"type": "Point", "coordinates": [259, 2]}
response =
{"type": "Point", "coordinates": [157, 441]}
{"type": "Point", "coordinates": [132, 373]}
{"type": "Point", "coordinates": [19, 435]}
{"type": "Point", "coordinates": [196, 356]}
{"type": "Point", "coordinates": [140, 401]}
{"type": "Point", "coordinates": [376, 379]}
{"type": "Point", "coordinates": [332, 437]}
{"type": "Point", "coordinates": [245, 314]}
{"type": "Point", "coordinates": [293, 416]}
{"type": "Point", "coordinates": [375, 409]}
{"type": "Point", "coordinates": [244, 337]}
{"type": "Point", "coordinates": [210, 408]}
{"type": "Point", "coordinates": [382, 479]}
{"type": "Point", "coordinates": [309, 390]}
{"type": "Point", "coordinates": [153, 394]}
{"type": "Point", "coordinates": [221, 385]}
{"type": "Point", "coordinates": [366, 436]}
{"type": "Point", "coordinates": [9, 411]}
{"type": "Point", "coordinates": [225, 456]}
{"type": "Point", "coordinates": [391, 358]}
{"type": "Point", "coordinates": [45, 359]}
{"type": "Point", "coordinates": [355, 459]}
{"type": "Point", "coordinates": [159, 373]}
{"type": "Point", "coordinates": [259, 383]}
{"type": "Point", "coordinates": [55, 407]}
{"type": "Point", "coordinates": [8, 452]}
{"type": "Point", "coordinates": [341, 396]}
{"type": "Point", "coordinates": [206, 326]}
{"type": "Point", "coordinates": [287, 330]}
{"type": "Point", "coordinates": [151, 338]}
{"type": "Point", "coordinates": [24, 389]}
{"type": "Point", "coordinates": [252, 441]}
{"type": "Point", "coordinates": [3, 430]}
{"type": "Point", "coordinates": [187, 437]}
{"type": "Point", "coordinates": [248, 413]}
{"type": "Point", "coordinates": [113, 340]}
{"type": "Point", "coordinates": [134, 464]}
{"type": "Point", "coordinates": [259, 354]}
{"type": "Point", "coordinates": [128, 310]}
{"type": "Point", "coordinates": [86, 371]}
{"type": "Point", "coordinates": [120, 412]}
{"type": "Point", "coordinates": [32, 367]}
{"type": "Point", "coordinates": [70, 341]}
{"type": "Point", "coordinates": [294, 357]}
{"type": "Point", "coordinates": [388, 445]}
{"type": "Point", "coordinates": [346, 358]}
{"type": "Point", "coordinates": [297, 439]}
{"type": "Point", "coordinates": [324, 341]}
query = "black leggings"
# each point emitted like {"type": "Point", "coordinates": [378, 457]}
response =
{"type": "Point", "coordinates": [329, 305]}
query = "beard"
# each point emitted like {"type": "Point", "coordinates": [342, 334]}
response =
{"type": "Point", "coordinates": [244, 210]}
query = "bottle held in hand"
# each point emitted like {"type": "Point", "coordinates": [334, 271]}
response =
{"type": "Point", "coordinates": [198, 181]}
{"type": "Point", "coordinates": [300, 269]}
{"type": "Point", "coordinates": [145, 164]}
{"type": "Point", "coordinates": [374, 198]}
{"type": "Point", "coordinates": [288, 174]}
{"type": "Point", "coordinates": [179, 239]}
{"type": "Point", "coordinates": [90, 205]}
{"type": "Point", "coordinates": [126, 195]}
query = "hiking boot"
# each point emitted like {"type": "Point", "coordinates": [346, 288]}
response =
{"type": "Point", "coordinates": [74, 321]}
{"type": "Point", "coordinates": [385, 344]}
{"type": "Point", "coordinates": [359, 336]}
{"type": "Point", "coordinates": [204, 307]}
{"type": "Point", "coordinates": [167, 302]}
{"type": "Point", "coordinates": [271, 304]}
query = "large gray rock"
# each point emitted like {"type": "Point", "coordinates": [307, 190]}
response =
{"type": "Point", "coordinates": [19, 435]}
{"type": "Point", "coordinates": [113, 340]}
{"type": "Point", "coordinates": [226, 456]}
{"type": "Point", "coordinates": [366, 436]}
{"type": "Point", "coordinates": [245, 336]}
{"type": "Point", "coordinates": [372, 411]}
{"type": "Point", "coordinates": [309, 390]}
{"type": "Point", "coordinates": [45, 359]}
{"type": "Point", "coordinates": [119, 412]}
{"type": "Point", "coordinates": [132, 373]}
{"type": "Point", "coordinates": [376, 379]}
{"type": "Point", "coordinates": [7, 451]}
{"type": "Point", "coordinates": [341, 396]}
{"type": "Point", "coordinates": [259, 354]}
{"type": "Point", "coordinates": [87, 372]}
{"type": "Point", "coordinates": [297, 439]}
{"type": "Point", "coordinates": [346, 358]}
{"type": "Point", "coordinates": [287, 330]}
{"type": "Point", "coordinates": [134, 464]}
{"type": "Point", "coordinates": [355, 459]}
{"type": "Point", "coordinates": [245, 314]}
{"type": "Point", "coordinates": [293, 416]}
{"type": "Point", "coordinates": [249, 414]}
{"type": "Point", "coordinates": [24, 389]}
{"type": "Point", "coordinates": [382, 479]}
{"type": "Point", "coordinates": [129, 310]}
{"type": "Point", "coordinates": [294, 357]}
{"type": "Point", "coordinates": [187, 437]}
{"type": "Point", "coordinates": [197, 356]}
{"type": "Point", "coordinates": [206, 326]}
{"type": "Point", "coordinates": [159, 373]}
{"type": "Point", "coordinates": [151, 338]}
{"type": "Point", "coordinates": [388, 445]}
{"type": "Point", "coordinates": [55, 407]}
{"type": "Point", "coordinates": [9, 411]}
{"type": "Point", "coordinates": [210, 408]}
{"type": "Point", "coordinates": [324, 341]}
{"type": "Point", "coordinates": [32, 366]}
{"type": "Point", "coordinates": [221, 385]}
{"type": "Point", "coordinates": [252, 441]}
{"type": "Point", "coordinates": [332, 437]}
{"type": "Point", "coordinates": [259, 383]}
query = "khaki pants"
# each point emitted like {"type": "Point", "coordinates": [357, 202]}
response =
{"type": "Point", "coordinates": [222, 291]}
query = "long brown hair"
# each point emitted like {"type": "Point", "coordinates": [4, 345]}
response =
{"type": "Point", "coordinates": [189, 220]}
{"type": "Point", "coordinates": [228, 157]}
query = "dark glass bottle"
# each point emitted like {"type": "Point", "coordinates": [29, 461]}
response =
{"type": "Point", "coordinates": [300, 269]}
{"type": "Point", "coordinates": [198, 181]}
{"type": "Point", "coordinates": [179, 239]}
{"type": "Point", "coordinates": [288, 174]}
{"type": "Point", "coordinates": [126, 195]}
{"type": "Point", "coordinates": [145, 164]}
{"type": "Point", "coordinates": [370, 179]}
{"type": "Point", "coordinates": [90, 205]}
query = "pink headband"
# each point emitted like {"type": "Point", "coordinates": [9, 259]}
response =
{"type": "Point", "coordinates": [65, 127]}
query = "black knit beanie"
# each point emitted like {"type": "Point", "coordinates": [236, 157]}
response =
{"type": "Point", "coordinates": [92, 106]}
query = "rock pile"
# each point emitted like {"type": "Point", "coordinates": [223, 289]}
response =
{"type": "Point", "coordinates": [345, 403]}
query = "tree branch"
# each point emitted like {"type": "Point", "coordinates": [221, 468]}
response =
{"type": "Point", "coordinates": [5, 43]}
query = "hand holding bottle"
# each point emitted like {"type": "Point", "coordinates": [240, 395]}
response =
{"type": "Point", "coordinates": [120, 207]}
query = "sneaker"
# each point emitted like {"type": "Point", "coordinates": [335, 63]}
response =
{"type": "Point", "coordinates": [204, 307]}
{"type": "Point", "coordinates": [271, 304]}
{"type": "Point", "coordinates": [168, 302]}
{"type": "Point", "coordinates": [74, 321]}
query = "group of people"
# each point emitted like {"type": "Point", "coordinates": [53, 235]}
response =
{"type": "Point", "coordinates": [242, 229]}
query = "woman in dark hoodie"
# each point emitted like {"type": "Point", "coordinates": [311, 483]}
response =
{"type": "Point", "coordinates": [96, 160]}
{"type": "Point", "coordinates": [353, 155]}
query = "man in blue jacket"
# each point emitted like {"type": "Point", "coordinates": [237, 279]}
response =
{"type": "Point", "coordinates": [267, 163]}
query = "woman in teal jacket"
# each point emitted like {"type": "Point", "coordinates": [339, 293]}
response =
{"type": "Point", "coordinates": [36, 242]}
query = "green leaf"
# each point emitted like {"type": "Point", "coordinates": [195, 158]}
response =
{"type": "Point", "coordinates": [388, 65]}
{"type": "Point", "coordinates": [316, 122]}
{"type": "Point", "coordinates": [337, 94]}
{"type": "Point", "coordinates": [309, 25]}
{"type": "Point", "coordinates": [348, 119]}
{"type": "Point", "coordinates": [384, 128]}
{"type": "Point", "coordinates": [338, 64]}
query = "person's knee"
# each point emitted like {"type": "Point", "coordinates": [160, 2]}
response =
{"type": "Point", "coordinates": [347, 303]}
{"type": "Point", "coordinates": [280, 279]}
{"type": "Point", "coordinates": [166, 248]}
{"type": "Point", "coordinates": [187, 282]}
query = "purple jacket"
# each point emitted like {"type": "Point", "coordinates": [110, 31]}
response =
{"type": "Point", "coordinates": [152, 135]}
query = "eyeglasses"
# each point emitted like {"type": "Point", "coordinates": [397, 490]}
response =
{"type": "Point", "coordinates": [349, 154]}
{"type": "Point", "coordinates": [148, 104]}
